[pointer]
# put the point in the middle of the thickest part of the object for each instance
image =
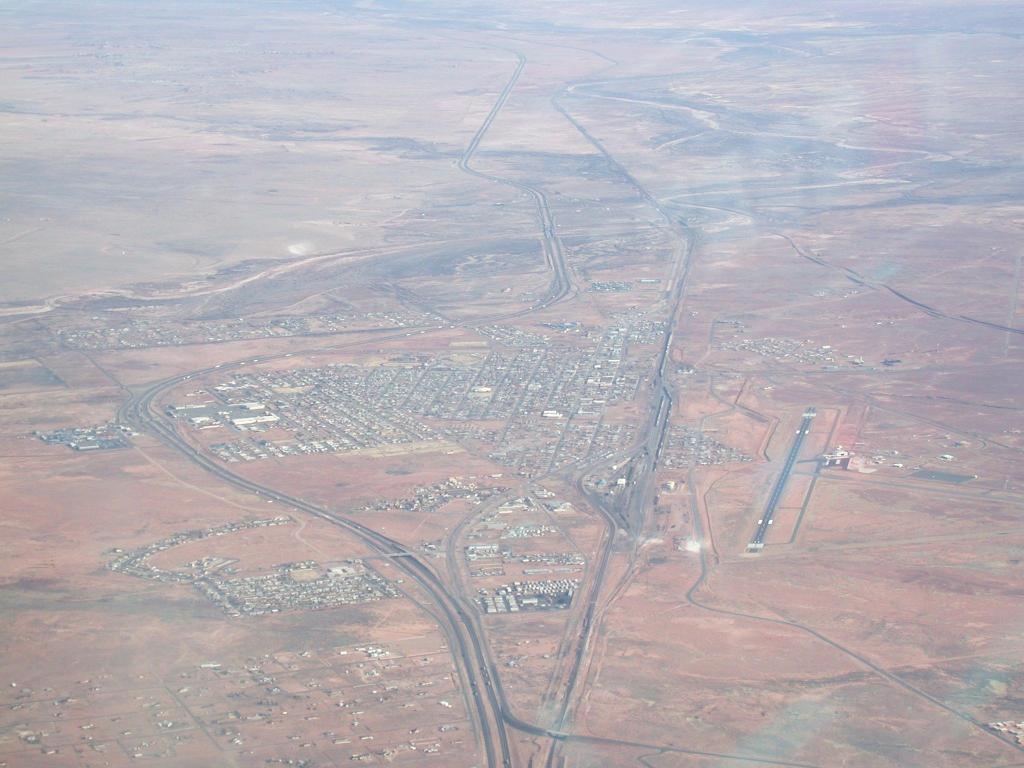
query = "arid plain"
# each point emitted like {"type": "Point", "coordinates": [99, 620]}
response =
{"type": "Point", "coordinates": [468, 384]}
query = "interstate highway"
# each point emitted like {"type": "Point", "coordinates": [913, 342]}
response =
{"type": "Point", "coordinates": [139, 413]}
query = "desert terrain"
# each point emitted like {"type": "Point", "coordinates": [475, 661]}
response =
{"type": "Point", "coordinates": [511, 385]}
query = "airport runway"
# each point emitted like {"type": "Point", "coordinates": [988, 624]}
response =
{"type": "Point", "coordinates": [757, 542]}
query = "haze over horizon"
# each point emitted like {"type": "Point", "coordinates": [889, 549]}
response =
{"type": "Point", "coordinates": [479, 384]}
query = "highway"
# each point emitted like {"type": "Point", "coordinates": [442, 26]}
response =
{"type": "Point", "coordinates": [628, 513]}
{"type": "Point", "coordinates": [554, 254]}
{"type": "Point", "coordinates": [466, 643]}
{"type": "Point", "coordinates": [757, 542]}
{"type": "Point", "coordinates": [460, 622]}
